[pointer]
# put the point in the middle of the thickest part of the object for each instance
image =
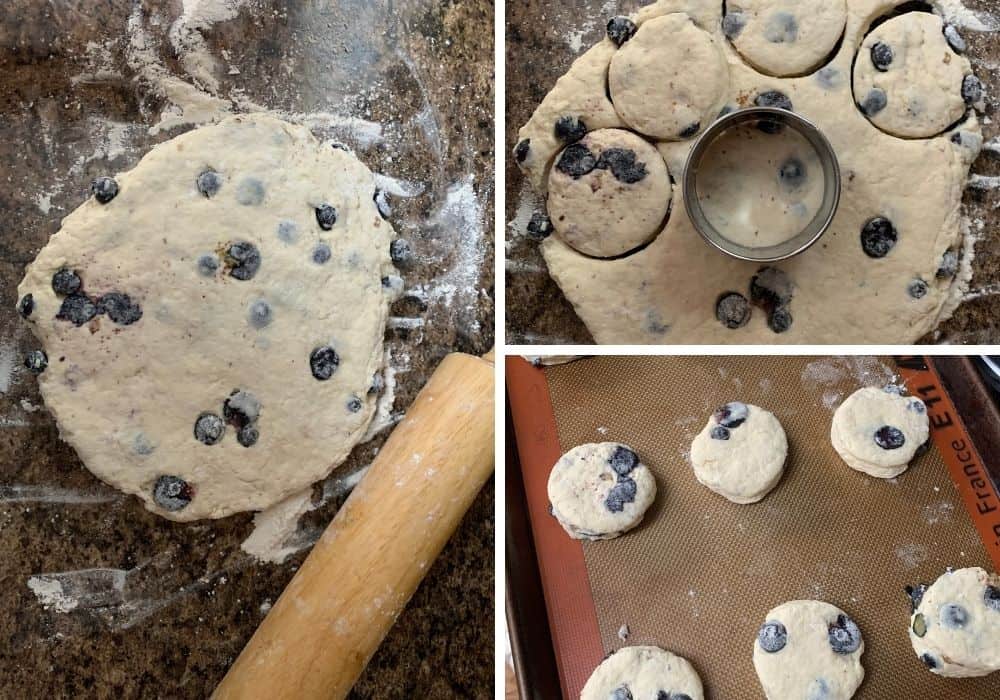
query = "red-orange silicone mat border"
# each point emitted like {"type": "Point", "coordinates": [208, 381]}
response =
{"type": "Point", "coordinates": [568, 601]}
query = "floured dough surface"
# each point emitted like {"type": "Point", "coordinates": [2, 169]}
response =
{"type": "Point", "coordinates": [214, 330]}
{"type": "Point", "coordinates": [878, 432]}
{"type": "Point", "coordinates": [907, 79]}
{"type": "Point", "coordinates": [809, 649]}
{"type": "Point", "coordinates": [955, 625]}
{"type": "Point", "coordinates": [643, 672]}
{"type": "Point", "coordinates": [740, 454]}
{"type": "Point", "coordinates": [784, 37]}
{"type": "Point", "coordinates": [669, 79]}
{"type": "Point", "coordinates": [890, 268]}
{"type": "Point", "coordinates": [600, 490]}
{"type": "Point", "coordinates": [608, 193]}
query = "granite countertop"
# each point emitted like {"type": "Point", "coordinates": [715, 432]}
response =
{"type": "Point", "coordinates": [545, 36]}
{"type": "Point", "coordinates": [86, 88]}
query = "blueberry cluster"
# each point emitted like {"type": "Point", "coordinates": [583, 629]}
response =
{"type": "Point", "coordinates": [78, 308]}
{"type": "Point", "coordinates": [577, 160]}
{"type": "Point", "coordinates": [728, 417]}
{"type": "Point", "coordinates": [241, 410]}
{"type": "Point", "coordinates": [622, 462]}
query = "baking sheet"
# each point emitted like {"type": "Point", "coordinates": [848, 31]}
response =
{"type": "Point", "coordinates": [700, 574]}
{"type": "Point", "coordinates": [102, 597]}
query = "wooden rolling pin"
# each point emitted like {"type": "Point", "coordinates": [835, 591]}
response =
{"type": "Point", "coordinates": [327, 624]}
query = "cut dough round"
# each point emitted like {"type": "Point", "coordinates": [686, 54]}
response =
{"type": "Point", "coordinates": [741, 453]}
{"type": "Point", "coordinates": [878, 432]}
{"type": "Point", "coordinates": [785, 37]}
{"type": "Point", "coordinates": [643, 672]}
{"type": "Point", "coordinates": [600, 490]}
{"type": "Point", "coordinates": [809, 649]}
{"type": "Point", "coordinates": [202, 356]}
{"type": "Point", "coordinates": [609, 193]}
{"type": "Point", "coordinates": [907, 79]}
{"type": "Point", "coordinates": [955, 626]}
{"type": "Point", "coordinates": [669, 79]}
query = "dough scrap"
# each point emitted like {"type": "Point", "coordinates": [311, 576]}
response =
{"type": "Point", "coordinates": [955, 628]}
{"type": "Point", "coordinates": [855, 431]}
{"type": "Point", "coordinates": [600, 490]}
{"type": "Point", "coordinates": [802, 662]}
{"type": "Point", "coordinates": [221, 270]}
{"type": "Point", "coordinates": [645, 672]}
{"type": "Point", "coordinates": [742, 463]}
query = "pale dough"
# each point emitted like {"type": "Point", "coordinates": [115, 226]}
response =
{"type": "Point", "coordinates": [643, 673]}
{"type": "Point", "coordinates": [760, 189]}
{"type": "Point", "coordinates": [244, 279]}
{"type": "Point", "coordinates": [811, 650]}
{"type": "Point", "coordinates": [608, 193]}
{"type": "Point", "coordinates": [740, 454]}
{"type": "Point", "coordinates": [785, 37]}
{"type": "Point", "coordinates": [668, 80]}
{"type": "Point", "coordinates": [600, 490]}
{"type": "Point", "coordinates": [844, 291]}
{"type": "Point", "coordinates": [878, 432]}
{"type": "Point", "coordinates": [908, 79]}
{"type": "Point", "coordinates": [955, 628]}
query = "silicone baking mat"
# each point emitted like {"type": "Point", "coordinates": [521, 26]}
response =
{"type": "Point", "coordinates": [700, 574]}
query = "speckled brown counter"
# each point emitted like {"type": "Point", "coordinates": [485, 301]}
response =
{"type": "Point", "coordinates": [543, 39]}
{"type": "Point", "coordinates": [75, 103]}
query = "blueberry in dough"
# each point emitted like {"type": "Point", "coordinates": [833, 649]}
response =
{"type": "Point", "coordinates": [916, 595]}
{"type": "Point", "coordinates": [949, 265]}
{"type": "Point", "coordinates": [26, 305]}
{"type": "Point", "coordinates": [248, 435]}
{"type": "Point", "coordinates": [576, 161]}
{"type": "Point", "coordinates": [780, 319]}
{"type": "Point", "coordinates": [570, 129]}
{"type": "Point", "coordinates": [954, 616]}
{"type": "Point", "coordinates": [321, 253]}
{"type": "Point", "coordinates": [172, 493]}
{"type": "Point", "coordinates": [889, 438]}
{"type": "Point", "coordinates": [381, 200]}
{"type": "Point", "coordinates": [522, 149]}
{"type": "Point", "coordinates": [917, 288]}
{"type": "Point", "coordinates": [401, 252]}
{"type": "Point", "coordinates": [621, 493]}
{"type": "Point", "coordinates": [260, 314]}
{"type": "Point", "coordinates": [954, 39]}
{"type": "Point", "coordinates": [120, 308]}
{"type": "Point", "coordinates": [104, 189]}
{"type": "Point", "coordinates": [829, 77]}
{"type": "Point", "coordinates": [773, 98]}
{"type": "Point", "coordinates": [664, 695]}
{"type": "Point", "coordinates": [992, 598]}
{"type": "Point", "coordinates": [772, 637]}
{"type": "Point", "coordinates": [622, 693]}
{"type": "Point", "coordinates": [540, 226]}
{"type": "Point", "coordinates": [929, 661]}
{"type": "Point", "coordinates": [66, 282]}
{"type": "Point", "coordinates": [770, 288]}
{"type": "Point", "coordinates": [250, 192]}
{"type": "Point", "coordinates": [917, 406]}
{"type": "Point", "coordinates": [781, 28]}
{"type": "Point", "coordinates": [844, 635]}
{"type": "Point", "coordinates": [209, 183]}
{"type": "Point", "coordinates": [690, 130]}
{"type": "Point", "coordinates": [732, 24]}
{"type": "Point", "coordinates": [621, 29]}
{"type": "Point", "coordinates": [326, 216]}
{"type": "Point", "coordinates": [354, 404]}
{"type": "Point", "coordinates": [719, 433]}
{"type": "Point", "coordinates": [733, 310]}
{"type": "Point", "coordinates": [77, 309]}
{"type": "Point", "coordinates": [208, 264]}
{"type": "Point", "coordinates": [881, 56]}
{"type": "Point", "coordinates": [209, 428]}
{"type": "Point", "coordinates": [240, 408]}
{"type": "Point", "coordinates": [244, 259]}
{"type": "Point", "coordinates": [36, 361]}
{"type": "Point", "coordinates": [731, 415]}
{"type": "Point", "coordinates": [377, 384]}
{"type": "Point", "coordinates": [323, 361]}
{"type": "Point", "coordinates": [622, 164]}
{"type": "Point", "coordinates": [878, 236]}
{"type": "Point", "coordinates": [972, 89]}
{"type": "Point", "coordinates": [874, 102]}
{"type": "Point", "coordinates": [792, 173]}
{"type": "Point", "coordinates": [623, 461]}
{"type": "Point", "coordinates": [288, 231]}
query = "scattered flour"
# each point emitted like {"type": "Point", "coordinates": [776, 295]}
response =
{"type": "Point", "coordinates": [50, 594]}
{"type": "Point", "coordinates": [938, 512]}
{"type": "Point", "coordinates": [912, 555]}
{"type": "Point", "coordinates": [954, 12]}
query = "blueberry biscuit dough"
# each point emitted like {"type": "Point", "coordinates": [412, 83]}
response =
{"type": "Point", "coordinates": [608, 193]}
{"type": "Point", "coordinates": [811, 650]}
{"type": "Point", "coordinates": [784, 37]}
{"type": "Point", "coordinates": [955, 625]}
{"type": "Point", "coordinates": [600, 490]}
{"type": "Point", "coordinates": [896, 260]}
{"type": "Point", "coordinates": [643, 673]}
{"type": "Point", "coordinates": [908, 80]}
{"type": "Point", "coordinates": [741, 453]}
{"type": "Point", "coordinates": [198, 357]}
{"type": "Point", "coordinates": [878, 432]}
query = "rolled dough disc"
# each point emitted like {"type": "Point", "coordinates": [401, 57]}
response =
{"type": "Point", "coordinates": [878, 432]}
{"type": "Point", "coordinates": [642, 673]}
{"type": "Point", "coordinates": [215, 338]}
